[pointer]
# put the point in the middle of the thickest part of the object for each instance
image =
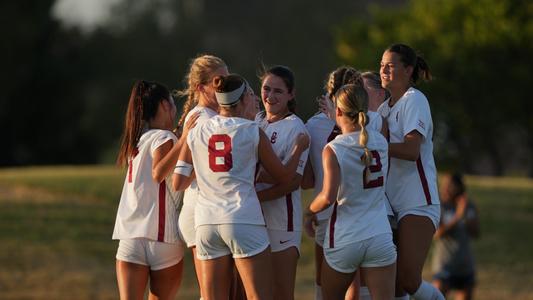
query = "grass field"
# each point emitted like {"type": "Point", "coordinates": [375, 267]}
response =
{"type": "Point", "coordinates": [56, 225]}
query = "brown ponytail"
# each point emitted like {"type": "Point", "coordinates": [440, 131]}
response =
{"type": "Point", "coordinates": [142, 107]}
{"type": "Point", "coordinates": [341, 76]}
{"type": "Point", "coordinates": [409, 57]}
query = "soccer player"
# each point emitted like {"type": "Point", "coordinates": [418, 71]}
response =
{"type": "Point", "coordinates": [224, 152]}
{"type": "Point", "coordinates": [412, 178]}
{"type": "Point", "coordinates": [200, 100]}
{"type": "Point", "coordinates": [358, 235]}
{"type": "Point", "coordinates": [150, 248]}
{"type": "Point", "coordinates": [281, 203]}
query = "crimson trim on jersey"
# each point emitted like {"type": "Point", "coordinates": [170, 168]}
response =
{"type": "Point", "coordinates": [130, 169]}
{"type": "Point", "coordinates": [162, 206]}
{"type": "Point", "coordinates": [290, 225]}
{"type": "Point", "coordinates": [423, 180]}
{"type": "Point", "coordinates": [332, 226]}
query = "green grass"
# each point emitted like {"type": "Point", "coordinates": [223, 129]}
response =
{"type": "Point", "coordinates": [56, 225]}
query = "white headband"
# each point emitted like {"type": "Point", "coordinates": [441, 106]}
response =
{"type": "Point", "coordinates": [230, 98]}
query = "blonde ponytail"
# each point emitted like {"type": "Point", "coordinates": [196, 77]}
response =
{"type": "Point", "coordinates": [363, 141]}
{"type": "Point", "coordinates": [200, 72]}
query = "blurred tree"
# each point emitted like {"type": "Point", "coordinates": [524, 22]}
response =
{"type": "Point", "coordinates": [480, 53]}
{"type": "Point", "coordinates": [66, 88]}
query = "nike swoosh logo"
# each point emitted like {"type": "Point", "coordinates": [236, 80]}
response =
{"type": "Point", "coordinates": [283, 242]}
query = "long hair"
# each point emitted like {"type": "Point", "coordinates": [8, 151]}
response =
{"type": "Point", "coordinates": [201, 71]}
{"type": "Point", "coordinates": [142, 107]}
{"type": "Point", "coordinates": [352, 100]}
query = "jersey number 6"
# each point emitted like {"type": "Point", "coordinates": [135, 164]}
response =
{"type": "Point", "coordinates": [368, 184]}
{"type": "Point", "coordinates": [220, 159]}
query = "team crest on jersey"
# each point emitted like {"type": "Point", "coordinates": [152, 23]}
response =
{"type": "Point", "coordinates": [273, 137]}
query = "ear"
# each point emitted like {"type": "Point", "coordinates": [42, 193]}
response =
{"type": "Point", "coordinates": [200, 88]}
{"type": "Point", "coordinates": [409, 71]}
{"type": "Point", "coordinates": [166, 105]}
{"type": "Point", "coordinates": [293, 93]}
{"type": "Point", "coordinates": [338, 112]}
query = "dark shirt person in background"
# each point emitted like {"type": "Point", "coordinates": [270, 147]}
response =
{"type": "Point", "coordinates": [453, 259]}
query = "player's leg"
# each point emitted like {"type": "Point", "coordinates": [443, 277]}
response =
{"type": "Point", "coordinates": [319, 256]}
{"type": "Point", "coordinates": [284, 275]}
{"type": "Point", "coordinates": [166, 268]}
{"type": "Point", "coordinates": [216, 278]}
{"type": "Point", "coordinates": [164, 283]}
{"type": "Point", "coordinates": [415, 234]}
{"type": "Point", "coordinates": [256, 274]}
{"type": "Point", "coordinates": [334, 283]}
{"type": "Point", "coordinates": [132, 268]}
{"type": "Point", "coordinates": [236, 291]}
{"type": "Point", "coordinates": [132, 279]}
{"type": "Point", "coordinates": [353, 290]}
{"type": "Point", "coordinates": [381, 281]}
{"type": "Point", "coordinates": [198, 269]}
{"type": "Point", "coordinates": [320, 233]}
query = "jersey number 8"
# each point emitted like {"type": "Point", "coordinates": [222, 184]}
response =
{"type": "Point", "coordinates": [220, 158]}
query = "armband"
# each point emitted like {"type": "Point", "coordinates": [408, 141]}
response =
{"type": "Point", "coordinates": [183, 168]}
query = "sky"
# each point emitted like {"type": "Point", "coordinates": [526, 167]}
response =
{"type": "Point", "coordinates": [85, 14]}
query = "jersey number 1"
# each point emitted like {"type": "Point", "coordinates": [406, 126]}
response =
{"type": "Point", "coordinates": [220, 159]}
{"type": "Point", "coordinates": [368, 184]}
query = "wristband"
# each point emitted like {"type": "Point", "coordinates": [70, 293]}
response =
{"type": "Point", "coordinates": [183, 168]}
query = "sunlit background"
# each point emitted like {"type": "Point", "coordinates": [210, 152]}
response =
{"type": "Point", "coordinates": [68, 67]}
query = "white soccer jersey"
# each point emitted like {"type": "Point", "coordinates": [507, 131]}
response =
{"type": "Point", "coordinates": [359, 212]}
{"type": "Point", "coordinates": [191, 193]}
{"type": "Point", "coordinates": [322, 130]}
{"type": "Point", "coordinates": [375, 121]}
{"type": "Point", "coordinates": [284, 213]}
{"type": "Point", "coordinates": [411, 183]}
{"type": "Point", "coordinates": [147, 209]}
{"type": "Point", "coordinates": [224, 152]}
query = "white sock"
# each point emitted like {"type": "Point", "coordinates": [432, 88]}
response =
{"type": "Point", "coordinates": [364, 293]}
{"type": "Point", "coordinates": [426, 291]}
{"type": "Point", "coordinates": [318, 292]}
{"type": "Point", "coordinates": [406, 297]}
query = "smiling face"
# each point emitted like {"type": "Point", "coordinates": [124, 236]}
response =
{"type": "Point", "coordinates": [275, 95]}
{"type": "Point", "coordinates": [394, 74]}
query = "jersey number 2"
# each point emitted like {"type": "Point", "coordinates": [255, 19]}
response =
{"type": "Point", "coordinates": [368, 184]}
{"type": "Point", "coordinates": [220, 159]}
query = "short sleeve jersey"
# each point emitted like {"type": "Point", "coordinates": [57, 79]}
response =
{"type": "Point", "coordinates": [359, 212]}
{"type": "Point", "coordinates": [147, 209]}
{"type": "Point", "coordinates": [411, 183]}
{"type": "Point", "coordinates": [284, 213]}
{"type": "Point", "coordinates": [322, 130]}
{"type": "Point", "coordinates": [224, 153]}
{"type": "Point", "coordinates": [191, 193]}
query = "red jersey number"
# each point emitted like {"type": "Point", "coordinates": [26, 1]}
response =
{"type": "Point", "coordinates": [220, 159]}
{"type": "Point", "coordinates": [368, 184]}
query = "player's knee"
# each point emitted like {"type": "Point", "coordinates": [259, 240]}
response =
{"type": "Point", "coordinates": [410, 282]}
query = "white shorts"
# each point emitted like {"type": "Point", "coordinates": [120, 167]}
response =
{"type": "Point", "coordinates": [320, 232]}
{"type": "Point", "coordinates": [282, 239]}
{"type": "Point", "coordinates": [156, 255]}
{"type": "Point", "coordinates": [240, 240]}
{"type": "Point", "coordinates": [431, 211]}
{"type": "Point", "coordinates": [377, 251]}
{"type": "Point", "coordinates": [186, 226]}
